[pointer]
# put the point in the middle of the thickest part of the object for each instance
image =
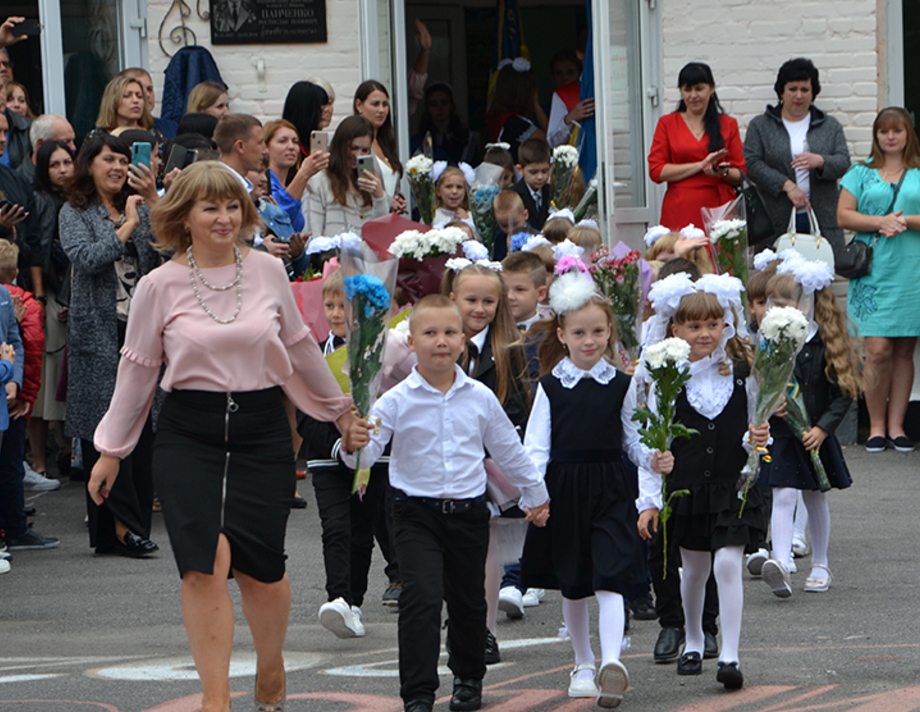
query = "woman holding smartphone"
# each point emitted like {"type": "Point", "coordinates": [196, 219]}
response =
{"type": "Point", "coordinates": [373, 103]}
{"type": "Point", "coordinates": [288, 171]}
{"type": "Point", "coordinates": [697, 151]}
{"type": "Point", "coordinates": [341, 197]}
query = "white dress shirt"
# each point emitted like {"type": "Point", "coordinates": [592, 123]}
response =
{"type": "Point", "coordinates": [439, 441]}
{"type": "Point", "coordinates": [538, 440]}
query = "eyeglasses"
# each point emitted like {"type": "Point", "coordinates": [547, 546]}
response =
{"type": "Point", "coordinates": [6, 63]}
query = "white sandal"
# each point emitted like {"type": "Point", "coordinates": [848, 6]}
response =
{"type": "Point", "coordinates": [813, 584]}
{"type": "Point", "coordinates": [582, 687]}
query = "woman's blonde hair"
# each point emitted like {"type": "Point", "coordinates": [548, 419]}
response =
{"type": "Point", "coordinates": [204, 95]}
{"type": "Point", "coordinates": [507, 351]}
{"type": "Point", "coordinates": [325, 86]}
{"type": "Point", "coordinates": [450, 171]}
{"type": "Point", "coordinates": [204, 180]}
{"type": "Point", "coordinates": [700, 306]}
{"type": "Point", "coordinates": [842, 353]}
{"type": "Point", "coordinates": [111, 98]}
{"type": "Point", "coordinates": [552, 350]}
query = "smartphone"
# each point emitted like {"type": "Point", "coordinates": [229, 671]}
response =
{"type": "Point", "coordinates": [367, 163]}
{"type": "Point", "coordinates": [140, 154]}
{"type": "Point", "coordinates": [4, 204]}
{"type": "Point", "coordinates": [319, 141]}
{"type": "Point", "coordinates": [29, 28]}
{"type": "Point", "coordinates": [178, 158]}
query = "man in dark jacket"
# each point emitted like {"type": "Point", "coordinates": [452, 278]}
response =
{"type": "Point", "coordinates": [20, 215]}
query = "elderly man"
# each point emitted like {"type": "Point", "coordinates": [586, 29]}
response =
{"type": "Point", "coordinates": [47, 127]}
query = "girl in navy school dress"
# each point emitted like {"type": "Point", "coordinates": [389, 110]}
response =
{"type": "Point", "coordinates": [716, 402]}
{"type": "Point", "coordinates": [580, 424]}
{"type": "Point", "coordinates": [827, 370]}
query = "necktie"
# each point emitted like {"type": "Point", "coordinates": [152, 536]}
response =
{"type": "Point", "coordinates": [473, 353]}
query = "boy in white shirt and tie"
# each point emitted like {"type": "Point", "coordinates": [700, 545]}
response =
{"type": "Point", "coordinates": [441, 422]}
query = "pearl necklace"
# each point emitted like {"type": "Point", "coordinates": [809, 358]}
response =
{"type": "Point", "coordinates": [237, 282]}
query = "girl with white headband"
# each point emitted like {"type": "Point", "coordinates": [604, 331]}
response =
{"type": "Point", "coordinates": [716, 402]}
{"type": "Point", "coordinates": [580, 425]}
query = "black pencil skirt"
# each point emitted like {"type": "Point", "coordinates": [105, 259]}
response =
{"type": "Point", "coordinates": [223, 463]}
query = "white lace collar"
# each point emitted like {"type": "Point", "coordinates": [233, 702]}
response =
{"type": "Point", "coordinates": [569, 374]}
{"type": "Point", "coordinates": [708, 391]}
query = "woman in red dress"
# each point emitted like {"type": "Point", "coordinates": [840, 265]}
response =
{"type": "Point", "coordinates": [696, 150]}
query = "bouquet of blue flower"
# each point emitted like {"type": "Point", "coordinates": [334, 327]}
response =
{"type": "Point", "coordinates": [369, 280]}
{"type": "Point", "coordinates": [482, 194]}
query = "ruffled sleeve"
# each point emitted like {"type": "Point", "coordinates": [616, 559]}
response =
{"type": "Point", "coordinates": [138, 371]}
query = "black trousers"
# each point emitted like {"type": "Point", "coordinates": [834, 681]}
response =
{"type": "Point", "coordinates": [441, 558]}
{"type": "Point", "coordinates": [668, 604]}
{"type": "Point", "coordinates": [131, 498]}
{"type": "Point", "coordinates": [349, 523]}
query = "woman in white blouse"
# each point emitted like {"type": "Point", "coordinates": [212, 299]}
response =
{"type": "Point", "coordinates": [373, 103]}
{"type": "Point", "coordinates": [338, 199]}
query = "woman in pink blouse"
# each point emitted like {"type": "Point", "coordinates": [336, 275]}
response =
{"type": "Point", "coordinates": [223, 321]}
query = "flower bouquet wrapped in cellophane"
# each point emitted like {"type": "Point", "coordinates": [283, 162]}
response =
{"type": "Point", "coordinates": [369, 280]}
{"type": "Point", "coordinates": [619, 281]}
{"type": "Point", "coordinates": [418, 171]}
{"type": "Point", "coordinates": [482, 192]}
{"type": "Point", "coordinates": [726, 226]}
{"type": "Point", "coordinates": [587, 206]}
{"type": "Point", "coordinates": [423, 256]}
{"type": "Point", "coordinates": [665, 362]}
{"type": "Point", "coordinates": [565, 166]}
{"type": "Point", "coordinates": [783, 331]}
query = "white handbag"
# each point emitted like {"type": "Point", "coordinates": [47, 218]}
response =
{"type": "Point", "coordinates": [811, 245]}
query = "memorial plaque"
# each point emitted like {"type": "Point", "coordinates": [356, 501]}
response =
{"type": "Point", "coordinates": [267, 21]}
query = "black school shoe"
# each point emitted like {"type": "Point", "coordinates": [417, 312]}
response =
{"type": "Point", "coordinates": [710, 646]}
{"type": "Point", "coordinates": [690, 664]}
{"type": "Point", "coordinates": [668, 646]}
{"type": "Point", "coordinates": [135, 546]}
{"type": "Point", "coordinates": [492, 655]}
{"type": "Point", "coordinates": [418, 706]}
{"type": "Point", "coordinates": [467, 695]}
{"type": "Point", "coordinates": [643, 610]}
{"type": "Point", "coordinates": [730, 675]}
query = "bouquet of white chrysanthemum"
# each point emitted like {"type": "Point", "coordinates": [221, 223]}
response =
{"type": "Point", "coordinates": [418, 171]}
{"type": "Point", "coordinates": [783, 332]}
{"type": "Point", "coordinates": [423, 256]}
{"type": "Point", "coordinates": [565, 166]}
{"type": "Point", "coordinates": [666, 363]}
{"type": "Point", "coordinates": [728, 235]}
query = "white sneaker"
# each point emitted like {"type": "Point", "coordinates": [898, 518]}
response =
{"type": "Point", "coordinates": [756, 561]}
{"type": "Point", "coordinates": [4, 566]}
{"type": "Point", "coordinates": [612, 681]}
{"type": "Point", "coordinates": [511, 601]}
{"type": "Point", "coordinates": [36, 482]}
{"type": "Point", "coordinates": [533, 596]}
{"type": "Point", "coordinates": [582, 686]}
{"type": "Point", "coordinates": [337, 616]}
{"type": "Point", "coordinates": [359, 624]}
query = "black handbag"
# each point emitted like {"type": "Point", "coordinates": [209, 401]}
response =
{"type": "Point", "coordinates": [855, 259]}
{"type": "Point", "coordinates": [760, 227]}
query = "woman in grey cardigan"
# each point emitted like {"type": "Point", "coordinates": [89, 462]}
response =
{"type": "Point", "coordinates": [795, 153]}
{"type": "Point", "coordinates": [106, 237]}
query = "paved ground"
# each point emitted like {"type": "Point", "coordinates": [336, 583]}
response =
{"type": "Point", "coordinates": [80, 632]}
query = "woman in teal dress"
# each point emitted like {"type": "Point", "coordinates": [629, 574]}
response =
{"type": "Point", "coordinates": [883, 304]}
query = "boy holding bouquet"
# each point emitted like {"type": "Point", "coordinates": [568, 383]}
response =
{"type": "Point", "coordinates": [441, 523]}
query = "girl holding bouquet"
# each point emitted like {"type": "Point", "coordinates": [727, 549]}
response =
{"type": "Point", "coordinates": [827, 370]}
{"type": "Point", "coordinates": [715, 402]}
{"type": "Point", "coordinates": [495, 357]}
{"type": "Point", "coordinates": [582, 422]}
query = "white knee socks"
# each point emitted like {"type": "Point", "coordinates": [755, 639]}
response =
{"type": "Point", "coordinates": [727, 568]}
{"type": "Point", "coordinates": [819, 524]}
{"type": "Point", "coordinates": [696, 567]}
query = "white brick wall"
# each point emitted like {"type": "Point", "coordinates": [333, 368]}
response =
{"type": "Point", "coordinates": [746, 41]}
{"type": "Point", "coordinates": [337, 61]}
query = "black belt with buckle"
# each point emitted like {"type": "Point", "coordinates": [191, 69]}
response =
{"type": "Point", "coordinates": [444, 506]}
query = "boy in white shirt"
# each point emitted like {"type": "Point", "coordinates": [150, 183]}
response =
{"type": "Point", "coordinates": [445, 420]}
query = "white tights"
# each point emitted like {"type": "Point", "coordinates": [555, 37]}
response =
{"type": "Point", "coordinates": [493, 579]}
{"type": "Point", "coordinates": [611, 620]}
{"type": "Point", "coordinates": [727, 567]}
{"type": "Point", "coordinates": [819, 525]}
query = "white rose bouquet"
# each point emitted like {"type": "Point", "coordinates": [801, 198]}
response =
{"type": "Point", "coordinates": [665, 363]}
{"type": "Point", "coordinates": [783, 332]}
{"type": "Point", "coordinates": [565, 167]}
{"type": "Point", "coordinates": [418, 171]}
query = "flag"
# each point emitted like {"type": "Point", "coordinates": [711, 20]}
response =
{"type": "Point", "coordinates": [587, 135]}
{"type": "Point", "coordinates": [510, 34]}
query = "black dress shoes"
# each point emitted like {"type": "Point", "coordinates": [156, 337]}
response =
{"type": "Point", "coordinates": [467, 695]}
{"type": "Point", "coordinates": [668, 646]}
{"type": "Point", "coordinates": [690, 664]}
{"type": "Point", "coordinates": [710, 646]}
{"type": "Point", "coordinates": [730, 675]}
{"type": "Point", "coordinates": [418, 706]}
{"type": "Point", "coordinates": [135, 546]}
{"type": "Point", "coordinates": [493, 655]}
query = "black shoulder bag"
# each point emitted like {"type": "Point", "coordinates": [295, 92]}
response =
{"type": "Point", "coordinates": [855, 259]}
